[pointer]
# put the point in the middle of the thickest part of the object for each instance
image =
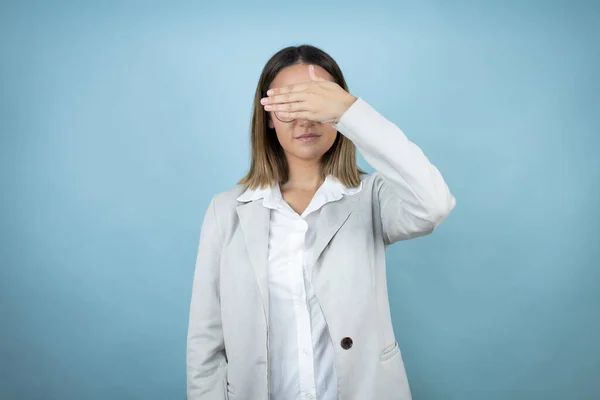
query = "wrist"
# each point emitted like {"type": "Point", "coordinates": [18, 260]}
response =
{"type": "Point", "coordinates": [346, 104]}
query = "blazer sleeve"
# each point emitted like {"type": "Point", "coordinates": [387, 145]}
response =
{"type": "Point", "coordinates": [413, 196]}
{"type": "Point", "coordinates": [206, 359]}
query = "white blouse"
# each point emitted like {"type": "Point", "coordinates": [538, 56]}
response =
{"type": "Point", "coordinates": [301, 356]}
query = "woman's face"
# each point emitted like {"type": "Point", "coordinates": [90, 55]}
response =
{"type": "Point", "coordinates": [293, 135]}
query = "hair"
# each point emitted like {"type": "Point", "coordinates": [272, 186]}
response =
{"type": "Point", "coordinates": [269, 163]}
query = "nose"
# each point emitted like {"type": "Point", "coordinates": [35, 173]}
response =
{"type": "Point", "coordinates": [304, 121]}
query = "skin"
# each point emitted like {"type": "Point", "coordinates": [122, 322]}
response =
{"type": "Point", "coordinates": [309, 95]}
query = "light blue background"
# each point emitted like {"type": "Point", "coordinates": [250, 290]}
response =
{"type": "Point", "coordinates": [120, 120]}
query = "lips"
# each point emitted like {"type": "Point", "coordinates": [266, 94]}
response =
{"type": "Point", "coordinates": [308, 135]}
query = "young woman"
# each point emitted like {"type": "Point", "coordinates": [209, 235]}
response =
{"type": "Point", "coordinates": [289, 298]}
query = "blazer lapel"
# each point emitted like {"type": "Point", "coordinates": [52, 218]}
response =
{"type": "Point", "coordinates": [254, 220]}
{"type": "Point", "coordinates": [333, 216]}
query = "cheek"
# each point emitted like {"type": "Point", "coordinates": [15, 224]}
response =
{"type": "Point", "coordinates": [284, 132]}
{"type": "Point", "coordinates": [331, 134]}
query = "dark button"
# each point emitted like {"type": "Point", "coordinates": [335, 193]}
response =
{"type": "Point", "coordinates": [346, 343]}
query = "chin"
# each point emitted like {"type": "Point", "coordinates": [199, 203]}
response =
{"type": "Point", "coordinates": [308, 154]}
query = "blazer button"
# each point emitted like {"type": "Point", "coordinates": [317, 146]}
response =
{"type": "Point", "coordinates": [346, 343]}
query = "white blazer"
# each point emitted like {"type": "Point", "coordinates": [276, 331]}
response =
{"type": "Point", "coordinates": [228, 328]}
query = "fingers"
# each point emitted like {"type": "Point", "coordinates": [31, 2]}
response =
{"type": "Point", "coordinates": [301, 87]}
{"type": "Point", "coordinates": [284, 98]}
{"type": "Point", "coordinates": [293, 101]}
{"type": "Point", "coordinates": [286, 115]}
{"type": "Point", "coordinates": [288, 89]}
{"type": "Point", "coordinates": [287, 107]}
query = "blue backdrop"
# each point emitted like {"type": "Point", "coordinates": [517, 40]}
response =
{"type": "Point", "coordinates": [120, 120]}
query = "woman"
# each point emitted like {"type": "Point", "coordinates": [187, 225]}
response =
{"type": "Point", "coordinates": [289, 298]}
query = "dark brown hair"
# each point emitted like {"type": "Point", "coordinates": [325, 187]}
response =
{"type": "Point", "coordinates": [269, 164]}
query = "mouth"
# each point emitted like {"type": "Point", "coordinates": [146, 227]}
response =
{"type": "Point", "coordinates": [308, 137]}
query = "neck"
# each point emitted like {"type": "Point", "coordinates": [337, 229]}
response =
{"type": "Point", "coordinates": [303, 175]}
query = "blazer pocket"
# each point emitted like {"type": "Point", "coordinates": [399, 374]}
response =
{"type": "Point", "coordinates": [389, 352]}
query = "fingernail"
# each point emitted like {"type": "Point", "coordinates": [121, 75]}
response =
{"type": "Point", "coordinates": [269, 92]}
{"type": "Point", "coordinates": [264, 100]}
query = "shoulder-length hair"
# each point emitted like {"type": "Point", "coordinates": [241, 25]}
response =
{"type": "Point", "coordinates": [269, 164]}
